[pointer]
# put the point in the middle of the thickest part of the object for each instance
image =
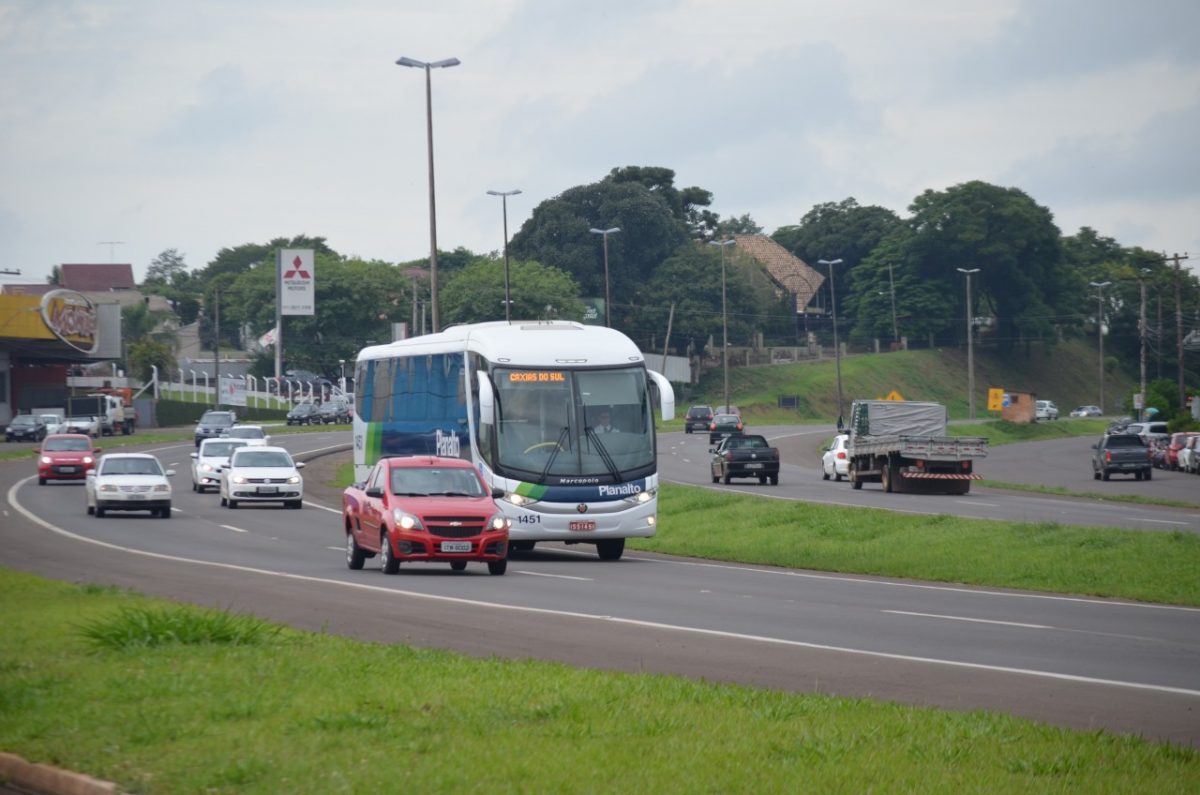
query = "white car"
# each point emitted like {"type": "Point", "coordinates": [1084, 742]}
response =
{"type": "Point", "coordinates": [253, 435]}
{"type": "Point", "coordinates": [835, 462]}
{"type": "Point", "coordinates": [1045, 410]}
{"type": "Point", "coordinates": [262, 474]}
{"type": "Point", "coordinates": [1189, 456]}
{"type": "Point", "coordinates": [208, 460]}
{"type": "Point", "coordinates": [54, 423]}
{"type": "Point", "coordinates": [89, 426]}
{"type": "Point", "coordinates": [129, 482]}
{"type": "Point", "coordinates": [1087, 411]}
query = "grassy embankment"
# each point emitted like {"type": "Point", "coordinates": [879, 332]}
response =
{"type": "Point", "coordinates": [165, 698]}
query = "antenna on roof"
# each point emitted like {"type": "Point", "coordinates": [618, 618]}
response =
{"type": "Point", "coordinates": [112, 247]}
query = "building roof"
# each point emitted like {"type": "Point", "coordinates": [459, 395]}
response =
{"type": "Point", "coordinates": [787, 270]}
{"type": "Point", "coordinates": [98, 277]}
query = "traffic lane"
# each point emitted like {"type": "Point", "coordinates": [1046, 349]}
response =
{"type": "Point", "coordinates": [684, 459]}
{"type": "Point", "coordinates": [363, 611]}
{"type": "Point", "coordinates": [852, 614]}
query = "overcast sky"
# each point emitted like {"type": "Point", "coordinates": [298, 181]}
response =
{"type": "Point", "coordinates": [208, 124]}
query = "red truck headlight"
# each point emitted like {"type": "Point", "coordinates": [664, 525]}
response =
{"type": "Point", "coordinates": [497, 522]}
{"type": "Point", "coordinates": [406, 520]}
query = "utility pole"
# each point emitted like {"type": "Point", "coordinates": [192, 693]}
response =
{"type": "Point", "coordinates": [217, 344]}
{"type": "Point", "coordinates": [1142, 335]}
{"type": "Point", "coordinates": [1179, 329]}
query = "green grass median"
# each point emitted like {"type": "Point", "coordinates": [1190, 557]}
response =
{"type": "Point", "coordinates": [164, 698]}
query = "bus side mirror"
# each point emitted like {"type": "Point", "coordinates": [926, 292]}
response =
{"type": "Point", "coordinates": [487, 398]}
{"type": "Point", "coordinates": [666, 395]}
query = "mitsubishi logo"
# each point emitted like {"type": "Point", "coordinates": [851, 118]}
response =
{"type": "Point", "coordinates": [297, 271]}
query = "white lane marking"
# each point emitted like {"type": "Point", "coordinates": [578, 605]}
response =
{"type": "Point", "coordinates": [1159, 521]}
{"type": "Point", "coordinates": [973, 503]}
{"type": "Point", "coordinates": [974, 620]}
{"type": "Point", "coordinates": [554, 576]}
{"type": "Point", "coordinates": [237, 529]}
{"type": "Point", "coordinates": [474, 603]}
{"type": "Point", "coordinates": [323, 508]}
{"type": "Point", "coordinates": [917, 585]}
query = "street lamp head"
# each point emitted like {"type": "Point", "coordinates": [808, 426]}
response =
{"type": "Point", "coordinates": [605, 231]}
{"type": "Point", "coordinates": [504, 192]}
{"type": "Point", "coordinates": [404, 60]}
{"type": "Point", "coordinates": [967, 271]}
{"type": "Point", "coordinates": [728, 242]}
{"type": "Point", "coordinates": [1099, 284]}
{"type": "Point", "coordinates": [829, 261]}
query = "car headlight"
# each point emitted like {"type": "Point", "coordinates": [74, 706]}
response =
{"type": "Point", "coordinates": [107, 487]}
{"type": "Point", "coordinates": [87, 459]}
{"type": "Point", "coordinates": [519, 500]}
{"type": "Point", "coordinates": [206, 467]}
{"type": "Point", "coordinates": [161, 487]}
{"type": "Point", "coordinates": [498, 522]}
{"type": "Point", "coordinates": [294, 479]}
{"type": "Point", "coordinates": [46, 459]}
{"type": "Point", "coordinates": [238, 478]}
{"type": "Point", "coordinates": [406, 520]}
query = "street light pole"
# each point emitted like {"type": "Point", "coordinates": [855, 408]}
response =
{"type": "Point", "coordinates": [504, 194]}
{"type": "Point", "coordinates": [1142, 335]}
{"type": "Point", "coordinates": [1100, 331]}
{"type": "Point", "coordinates": [837, 348]}
{"type": "Point", "coordinates": [970, 346]}
{"type": "Point", "coordinates": [427, 66]}
{"type": "Point", "coordinates": [607, 297]}
{"type": "Point", "coordinates": [724, 317]}
{"type": "Point", "coordinates": [892, 284]}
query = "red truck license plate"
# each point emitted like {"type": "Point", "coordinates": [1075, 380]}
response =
{"type": "Point", "coordinates": [583, 525]}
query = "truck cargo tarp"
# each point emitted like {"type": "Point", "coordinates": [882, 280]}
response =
{"type": "Point", "coordinates": [898, 418]}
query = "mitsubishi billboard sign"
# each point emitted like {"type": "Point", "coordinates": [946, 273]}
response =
{"type": "Point", "coordinates": [297, 290]}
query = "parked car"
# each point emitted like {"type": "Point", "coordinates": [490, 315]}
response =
{"type": "Point", "coordinates": [25, 428]}
{"type": "Point", "coordinates": [53, 422]}
{"type": "Point", "coordinates": [1158, 453]}
{"type": "Point", "coordinates": [262, 474]}
{"type": "Point", "coordinates": [1121, 453]}
{"type": "Point", "coordinates": [1174, 445]}
{"type": "Point", "coordinates": [1045, 410]}
{"type": "Point", "coordinates": [332, 412]}
{"type": "Point", "coordinates": [1189, 456]}
{"type": "Point", "coordinates": [129, 482]}
{"type": "Point", "coordinates": [723, 425]}
{"type": "Point", "coordinates": [835, 463]}
{"type": "Point", "coordinates": [745, 456]}
{"type": "Point", "coordinates": [727, 410]}
{"type": "Point", "coordinates": [1087, 411]}
{"type": "Point", "coordinates": [424, 509]}
{"type": "Point", "coordinates": [66, 456]}
{"type": "Point", "coordinates": [253, 435]}
{"type": "Point", "coordinates": [698, 418]}
{"type": "Point", "coordinates": [213, 423]}
{"type": "Point", "coordinates": [1151, 431]}
{"type": "Point", "coordinates": [209, 459]}
{"type": "Point", "coordinates": [302, 414]}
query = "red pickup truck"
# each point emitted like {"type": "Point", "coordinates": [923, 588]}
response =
{"type": "Point", "coordinates": [424, 508]}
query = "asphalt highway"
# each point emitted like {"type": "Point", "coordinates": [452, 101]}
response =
{"type": "Point", "coordinates": [1079, 662]}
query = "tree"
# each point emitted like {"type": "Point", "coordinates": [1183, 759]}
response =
{"type": "Point", "coordinates": [924, 307]}
{"type": "Point", "coordinates": [475, 293]}
{"type": "Point", "coordinates": [841, 230]}
{"type": "Point", "coordinates": [557, 234]}
{"type": "Point", "coordinates": [1011, 240]}
{"type": "Point", "coordinates": [167, 269]}
{"type": "Point", "coordinates": [147, 353]}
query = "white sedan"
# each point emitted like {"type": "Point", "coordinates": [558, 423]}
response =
{"type": "Point", "coordinates": [262, 474]}
{"type": "Point", "coordinates": [835, 463]}
{"type": "Point", "coordinates": [250, 434]}
{"type": "Point", "coordinates": [208, 460]}
{"type": "Point", "coordinates": [129, 482]}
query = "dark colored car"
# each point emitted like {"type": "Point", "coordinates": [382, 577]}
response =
{"type": "Point", "coordinates": [213, 423]}
{"type": "Point", "coordinates": [1121, 453]}
{"type": "Point", "coordinates": [25, 428]}
{"type": "Point", "coordinates": [303, 414]}
{"type": "Point", "coordinates": [723, 425]}
{"type": "Point", "coordinates": [333, 411]}
{"type": "Point", "coordinates": [698, 419]}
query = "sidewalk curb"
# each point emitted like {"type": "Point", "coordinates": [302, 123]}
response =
{"type": "Point", "coordinates": [47, 780]}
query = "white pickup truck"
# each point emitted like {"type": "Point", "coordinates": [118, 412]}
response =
{"type": "Point", "coordinates": [902, 444]}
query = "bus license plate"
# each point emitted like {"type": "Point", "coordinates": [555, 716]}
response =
{"type": "Point", "coordinates": [456, 546]}
{"type": "Point", "coordinates": [583, 525]}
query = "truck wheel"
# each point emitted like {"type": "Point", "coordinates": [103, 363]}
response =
{"type": "Point", "coordinates": [1105, 475]}
{"type": "Point", "coordinates": [610, 548]}
{"type": "Point", "coordinates": [388, 563]}
{"type": "Point", "coordinates": [775, 479]}
{"type": "Point", "coordinates": [41, 481]}
{"type": "Point", "coordinates": [497, 567]}
{"type": "Point", "coordinates": [885, 477]}
{"type": "Point", "coordinates": [727, 478]}
{"type": "Point", "coordinates": [855, 483]}
{"type": "Point", "coordinates": [824, 474]}
{"type": "Point", "coordinates": [1095, 475]}
{"type": "Point", "coordinates": [354, 554]}
{"type": "Point", "coordinates": [1146, 476]}
{"type": "Point", "coordinates": [716, 478]}
{"type": "Point", "coordinates": [762, 480]}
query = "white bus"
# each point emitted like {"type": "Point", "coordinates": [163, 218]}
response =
{"type": "Point", "coordinates": [557, 414]}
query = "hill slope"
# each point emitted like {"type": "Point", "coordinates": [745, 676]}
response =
{"type": "Point", "coordinates": [1065, 373]}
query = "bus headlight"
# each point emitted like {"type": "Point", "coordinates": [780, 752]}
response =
{"type": "Point", "coordinates": [519, 500]}
{"type": "Point", "coordinates": [642, 497]}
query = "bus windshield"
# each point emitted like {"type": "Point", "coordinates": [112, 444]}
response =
{"type": "Point", "coordinates": [584, 423]}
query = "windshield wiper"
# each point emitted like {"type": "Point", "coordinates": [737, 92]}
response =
{"type": "Point", "coordinates": [604, 456]}
{"type": "Point", "coordinates": [449, 494]}
{"type": "Point", "coordinates": [562, 437]}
